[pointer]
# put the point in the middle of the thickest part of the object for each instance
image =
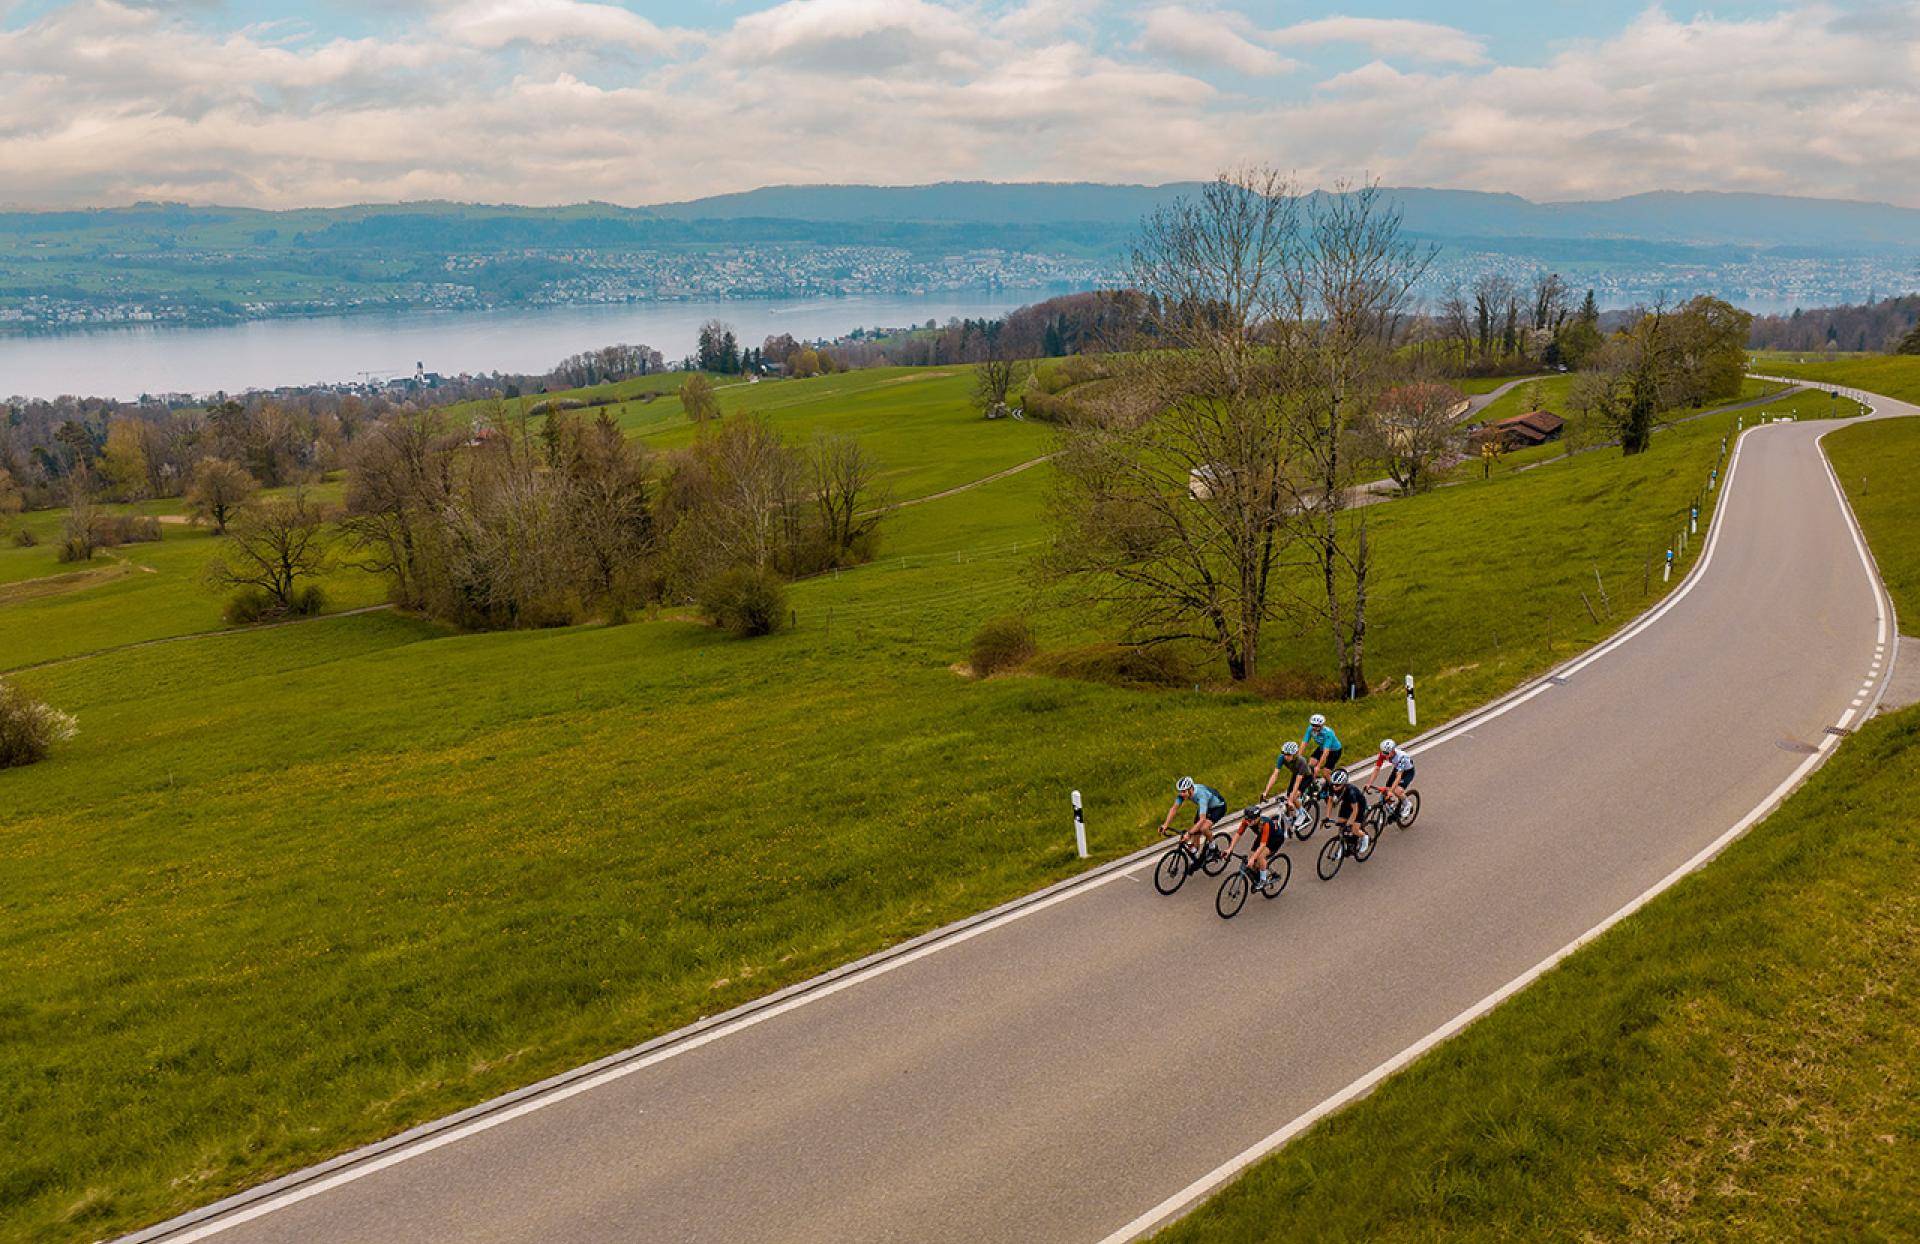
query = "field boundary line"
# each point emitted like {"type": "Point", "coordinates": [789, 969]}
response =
{"type": "Point", "coordinates": [345, 1168]}
{"type": "Point", "coordinates": [180, 639]}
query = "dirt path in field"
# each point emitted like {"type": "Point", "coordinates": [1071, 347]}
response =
{"type": "Point", "coordinates": [989, 479]}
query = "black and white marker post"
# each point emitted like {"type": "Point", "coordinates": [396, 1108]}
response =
{"type": "Point", "coordinates": [1412, 720]}
{"type": "Point", "coordinates": [1079, 826]}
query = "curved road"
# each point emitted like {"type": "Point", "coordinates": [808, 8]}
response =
{"type": "Point", "coordinates": [1014, 1078]}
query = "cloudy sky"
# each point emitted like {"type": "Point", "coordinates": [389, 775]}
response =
{"type": "Point", "coordinates": [641, 101]}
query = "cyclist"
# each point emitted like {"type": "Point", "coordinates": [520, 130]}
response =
{"type": "Point", "coordinates": [1401, 759]}
{"type": "Point", "coordinates": [1290, 761]}
{"type": "Point", "coordinates": [1324, 744]}
{"type": "Point", "coordinates": [1349, 808]}
{"type": "Point", "coordinates": [1209, 806]}
{"type": "Point", "coordinates": [1272, 837]}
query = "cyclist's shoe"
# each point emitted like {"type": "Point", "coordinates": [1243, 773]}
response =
{"type": "Point", "coordinates": [1361, 847]}
{"type": "Point", "coordinates": [1261, 881]}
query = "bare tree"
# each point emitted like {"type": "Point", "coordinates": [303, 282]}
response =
{"type": "Point", "coordinates": [399, 480]}
{"type": "Point", "coordinates": [1493, 297]}
{"type": "Point", "coordinates": [1171, 504]}
{"type": "Point", "coordinates": [1347, 289]}
{"type": "Point", "coordinates": [607, 481]}
{"type": "Point", "coordinates": [218, 489]}
{"type": "Point", "coordinates": [994, 381]}
{"type": "Point", "coordinates": [844, 493]}
{"type": "Point", "coordinates": [274, 546]}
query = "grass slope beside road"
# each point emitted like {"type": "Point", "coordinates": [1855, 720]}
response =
{"type": "Point", "coordinates": [1878, 463]}
{"type": "Point", "coordinates": [1740, 1060]}
{"type": "Point", "coordinates": [1894, 375]}
{"type": "Point", "coordinates": [293, 890]}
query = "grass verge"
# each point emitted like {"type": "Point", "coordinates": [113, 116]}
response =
{"type": "Point", "coordinates": [1740, 1060]}
{"type": "Point", "coordinates": [1879, 465]}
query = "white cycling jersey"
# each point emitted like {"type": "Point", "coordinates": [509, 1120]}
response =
{"type": "Point", "coordinates": [1400, 758]}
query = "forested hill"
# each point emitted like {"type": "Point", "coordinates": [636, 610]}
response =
{"type": "Point", "coordinates": [1696, 218]}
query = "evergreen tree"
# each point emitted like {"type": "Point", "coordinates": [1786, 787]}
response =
{"type": "Point", "coordinates": [1590, 310]}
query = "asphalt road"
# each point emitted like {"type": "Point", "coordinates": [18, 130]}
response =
{"type": "Point", "coordinates": [1025, 1081]}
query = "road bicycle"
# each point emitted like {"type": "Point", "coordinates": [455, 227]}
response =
{"type": "Point", "coordinates": [1303, 820]}
{"type": "Point", "coordinates": [1242, 879]}
{"type": "Point", "coordinates": [1408, 810]}
{"type": "Point", "coordinates": [1346, 842]}
{"type": "Point", "coordinates": [1182, 861]}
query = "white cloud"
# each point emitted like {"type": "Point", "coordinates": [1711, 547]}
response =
{"type": "Point", "coordinates": [1208, 39]}
{"type": "Point", "coordinates": [1414, 40]}
{"type": "Point", "coordinates": [493, 24]}
{"type": "Point", "coordinates": [515, 100]}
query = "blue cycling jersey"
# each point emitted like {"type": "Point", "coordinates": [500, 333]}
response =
{"type": "Point", "coordinates": [1321, 736]}
{"type": "Point", "coordinates": [1205, 797]}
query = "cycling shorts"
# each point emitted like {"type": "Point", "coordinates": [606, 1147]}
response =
{"type": "Point", "coordinates": [1215, 812]}
{"type": "Point", "coordinates": [1332, 755]}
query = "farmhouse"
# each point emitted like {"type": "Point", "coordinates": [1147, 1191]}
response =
{"type": "Point", "coordinates": [1536, 427]}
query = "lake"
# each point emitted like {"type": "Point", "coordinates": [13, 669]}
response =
{"type": "Point", "coordinates": [124, 362]}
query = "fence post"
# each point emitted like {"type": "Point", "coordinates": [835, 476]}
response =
{"type": "Point", "coordinates": [1079, 826]}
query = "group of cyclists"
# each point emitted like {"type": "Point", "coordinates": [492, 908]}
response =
{"type": "Point", "coordinates": [1309, 769]}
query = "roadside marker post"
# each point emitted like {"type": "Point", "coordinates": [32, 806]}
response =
{"type": "Point", "coordinates": [1666, 575]}
{"type": "Point", "coordinates": [1079, 826]}
{"type": "Point", "coordinates": [1412, 719]}
{"type": "Point", "coordinates": [1693, 521]}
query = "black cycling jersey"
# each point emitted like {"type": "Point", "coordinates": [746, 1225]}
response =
{"type": "Point", "coordinates": [1350, 802]}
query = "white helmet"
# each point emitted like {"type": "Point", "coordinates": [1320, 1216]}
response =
{"type": "Point", "coordinates": [1289, 748]}
{"type": "Point", "coordinates": [1184, 786]}
{"type": "Point", "coordinates": [1386, 747]}
{"type": "Point", "coordinates": [1318, 719]}
{"type": "Point", "coordinates": [1338, 777]}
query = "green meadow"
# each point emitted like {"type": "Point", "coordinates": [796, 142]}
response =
{"type": "Point", "coordinates": [1878, 463]}
{"type": "Point", "coordinates": [1895, 375]}
{"type": "Point", "coordinates": [294, 889]}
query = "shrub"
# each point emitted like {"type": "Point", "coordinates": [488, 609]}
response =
{"type": "Point", "coordinates": [28, 728]}
{"type": "Point", "coordinates": [1119, 665]}
{"type": "Point", "coordinates": [1001, 643]}
{"type": "Point", "coordinates": [76, 548]}
{"type": "Point", "coordinates": [24, 538]}
{"type": "Point", "coordinates": [249, 605]}
{"type": "Point", "coordinates": [310, 601]}
{"type": "Point", "coordinates": [745, 601]}
{"type": "Point", "coordinates": [110, 530]}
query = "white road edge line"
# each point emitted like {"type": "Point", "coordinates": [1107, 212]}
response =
{"type": "Point", "coordinates": [216, 1220]}
{"type": "Point", "coordinates": [1187, 1197]}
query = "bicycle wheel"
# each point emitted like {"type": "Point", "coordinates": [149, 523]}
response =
{"type": "Point", "coordinates": [1216, 858]}
{"type": "Point", "coordinates": [1330, 856]}
{"type": "Point", "coordinates": [1372, 830]}
{"type": "Point", "coordinates": [1302, 823]}
{"type": "Point", "coordinates": [1279, 872]}
{"type": "Point", "coordinates": [1171, 872]}
{"type": "Point", "coordinates": [1409, 809]}
{"type": "Point", "coordinates": [1233, 893]}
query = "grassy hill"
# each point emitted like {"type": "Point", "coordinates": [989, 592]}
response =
{"type": "Point", "coordinates": [294, 889]}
